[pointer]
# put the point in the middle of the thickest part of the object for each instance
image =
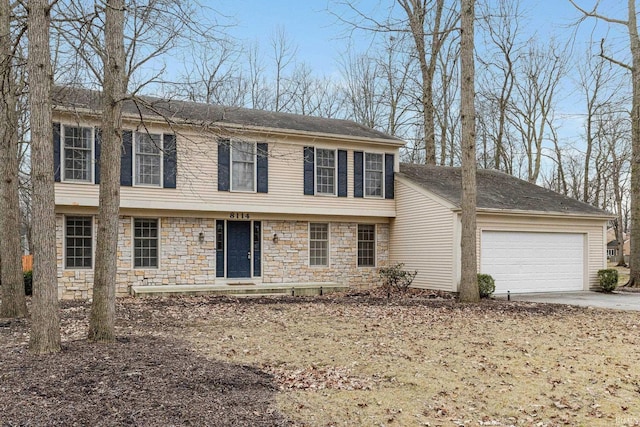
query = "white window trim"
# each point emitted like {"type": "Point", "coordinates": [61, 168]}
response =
{"type": "Point", "coordinates": [375, 246]}
{"type": "Point", "coordinates": [92, 162]}
{"type": "Point", "coordinates": [328, 264]}
{"type": "Point", "coordinates": [133, 243]}
{"type": "Point", "coordinates": [255, 166]}
{"type": "Point", "coordinates": [315, 172]}
{"type": "Point", "coordinates": [364, 175]}
{"type": "Point", "coordinates": [135, 157]}
{"type": "Point", "coordinates": [64, 243]}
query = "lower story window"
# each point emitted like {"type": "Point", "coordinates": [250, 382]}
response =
{"type": "Point", "coordinates": [318, 244]}
{"type": "Point", "coordinates": [78, 241]}
{"type": "Point", "coordinates": [145, 242]}
{"type": "Point", "coordinates": [366, 245]}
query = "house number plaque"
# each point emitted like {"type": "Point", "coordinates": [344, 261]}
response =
{"type": "Point", "coordinates": [239, 215]}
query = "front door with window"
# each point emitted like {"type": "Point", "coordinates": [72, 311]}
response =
{"type": "Point", "coordinates": [238, 249]}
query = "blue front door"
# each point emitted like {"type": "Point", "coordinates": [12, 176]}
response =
{"type": "Point", "coordinates": [238, 249]}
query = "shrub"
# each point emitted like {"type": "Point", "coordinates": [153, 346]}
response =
{"type": "Point", "coordinates": [28, 281]}
{"type": "Point", "coordinates": [395, 279]}
{"type": "Point", "coordinates": [486, 285]}
{"type": "Point", "coordinates": [608, 279]}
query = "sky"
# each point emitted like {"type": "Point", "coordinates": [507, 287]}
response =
{"type": "Point", "coordinates": [314, 28]}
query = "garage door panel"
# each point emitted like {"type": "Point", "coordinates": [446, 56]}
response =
{"type": "Point", "coordinates": [533, 262]}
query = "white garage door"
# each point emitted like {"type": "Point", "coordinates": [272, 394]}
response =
{"type": "Point", "coordinates": [533, 262]}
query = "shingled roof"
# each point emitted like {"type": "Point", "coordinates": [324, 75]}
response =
{"type": "Point", "coordinates": [69, 98]}
{"type": "Point", "coordinates": [495, 191]}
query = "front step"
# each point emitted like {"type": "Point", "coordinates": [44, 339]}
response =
{"type": "Point", "coordinates": [288, 289]}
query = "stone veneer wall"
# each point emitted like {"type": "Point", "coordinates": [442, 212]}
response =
{"type": "Point", "coordinates": [288, 260]}
{"type": "Point", "coordinates": [184, 260]}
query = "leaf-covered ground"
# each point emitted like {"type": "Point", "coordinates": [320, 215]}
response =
{"type": "Point", "coordinates": [333, 360]}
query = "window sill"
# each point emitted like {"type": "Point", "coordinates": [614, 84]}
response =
{"type": "Point", "coordinates": [72, 181]}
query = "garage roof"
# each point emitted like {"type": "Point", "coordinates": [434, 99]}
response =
{"type": "Point", "coordinates": [69, 98]}
{"type": "Point", "coordinates": [495, 191]}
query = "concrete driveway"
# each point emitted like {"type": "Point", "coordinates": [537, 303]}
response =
{"type": "Point", "coordinates": [615, 301]}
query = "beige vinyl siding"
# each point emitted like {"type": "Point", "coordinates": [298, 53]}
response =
{"type": "Point", "coordinates": [593, 229]}
{"type": "Point", "coordinates": [422, 237]}
{"type": "Point", "coordinates": [197, 183]}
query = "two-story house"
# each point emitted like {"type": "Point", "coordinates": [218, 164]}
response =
{"type": "Point", "coordinates": [224, 196]}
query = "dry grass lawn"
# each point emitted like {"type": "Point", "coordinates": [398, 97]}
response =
{"type": "Point", "coordinates": [359, 360]}
{"type": "Point", "coordinates": [435, 363]}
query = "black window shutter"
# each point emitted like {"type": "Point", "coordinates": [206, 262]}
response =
{"type": "Point", "coordinates": [358, 177]}
{"type": "Point", "coordinates": [224, 158]}
{"type": "Point", "coordinates": [263, 167]}
{"type": "Point", "coordinates": [97, 149]}
{"type": "Point", "coordinates": [126, 160]}
{"type": "Point", "coordinates": [342, 173]}
{"type": "Point", "coordinates": [388, 176]}
{"type": "Point", "coordinates": [169, 160]}
{"type": "Point", "coordinates": [56, 152]}
{"type": "Point", "coordinates": [309, 164]}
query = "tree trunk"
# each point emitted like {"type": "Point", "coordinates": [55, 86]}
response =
{"type": "Point", "coordinates": [102, 319]}
{"type": "Point", "coordinates": [11, 279]}
{"type": "Point", "coordinates": [45, 324]}
{"type": "Point", "coordinates": [634, 259]}
{"type": "Point", "coordinates": [469, 291]}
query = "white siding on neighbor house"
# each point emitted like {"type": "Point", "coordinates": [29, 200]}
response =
{"type": "Point", "coordinates": [594, 231]}
{"type": "Point", "coordinates": [197, 182]}
{"type": "Point", "coordinates": [422, 237]}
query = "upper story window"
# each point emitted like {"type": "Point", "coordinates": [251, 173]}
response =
{"type": "Point", "coordinates": [243, 166]}
{"type": "Point", "coordinates": [148, 160]}
{"type": "Point", "coordinates": [373, 174]}
{"type": "Point", "coordinates": [77, 153]}
{"type": "Point", "coordinates": [325, 171]}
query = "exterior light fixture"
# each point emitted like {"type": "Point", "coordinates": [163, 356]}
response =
{"type": "Point", "coordinates": [201, 237]}
{"type": "Point", "coordinates": [275, 238]}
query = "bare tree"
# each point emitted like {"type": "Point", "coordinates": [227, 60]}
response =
{"type": "Point", "coordinates": [616, 136]}
{"type": "Point", "coordinates": [363, 91]}
{"type": "Point", "coordinates": [419, 13]}
{"type": "Point", "coordinates": [102, 318]}
{"type": "Point", "coordinates": [501, 27]}
{"type": "Point", "coordinates": [283, 55]}
{"type": "Point", "coordinates": [538, 79]}
{"type": "Point", "coordinates": [469, 291]}
{"type": "Point", "coordinates": [45, 325]}
{"type": "Point", "coordinates": [631, 25]}
{"type": "Point", "coordinates": [428, 23]}
{"type": "Point", "coordinates": [12, 303]}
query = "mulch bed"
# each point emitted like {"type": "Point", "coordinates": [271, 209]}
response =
{"type": "Point", "coordinates": [139, 380]}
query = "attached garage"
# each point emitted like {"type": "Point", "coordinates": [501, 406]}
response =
{"type": "Point", "coordinates": [533, 262]}
{"type": "Point", "coordinates": [529, 239]}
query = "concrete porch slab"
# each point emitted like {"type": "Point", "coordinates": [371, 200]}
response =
{"type": "Point", "coordinates": [273, 289]}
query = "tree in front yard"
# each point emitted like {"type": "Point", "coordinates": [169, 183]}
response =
{"type": "Point", "coordinates": [45, 317]}
{"type": "Point", "coordinates": [469, 282]}
{"type": "Point", "coordinates": [12, 296]}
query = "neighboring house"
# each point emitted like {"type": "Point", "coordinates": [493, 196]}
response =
{"type": "Point", "coordinates": [529, 239]}
{"type": "Point", "coordinates": [613, 247]}
{"type": "Point", "coordinates": [224, 196]}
